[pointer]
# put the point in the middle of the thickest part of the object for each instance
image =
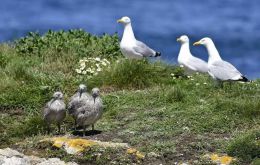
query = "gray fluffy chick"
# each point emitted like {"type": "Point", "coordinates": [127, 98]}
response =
{"type": "Point", "coordinates": [78, 100]}
{"type": "Point", "coordinates": [55, 110]}
{"type": "Point", "coordinates": [91, 112]}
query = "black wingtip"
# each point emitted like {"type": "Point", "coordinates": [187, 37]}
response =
{"type": "Point", "coordinates": [157, 54]}
{"type": "Point", "coordinates": [244, 79]}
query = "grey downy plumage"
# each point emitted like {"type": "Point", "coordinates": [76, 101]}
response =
{"type": "Point", "coordinates": [91, 112]}
{"type": "Point", "coordinates": [55, 111]}
{"type": "Point", "coordinates": [79, 99]}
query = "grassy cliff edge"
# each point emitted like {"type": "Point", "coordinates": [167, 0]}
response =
{"type": "Point", "coordinates": [150, 105]}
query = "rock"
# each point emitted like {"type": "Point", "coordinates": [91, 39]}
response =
{"type": "Point", "coordinates": [8, 152]}
{"type": "Point", "coordinates": [55, 161]}
{"type": "Point", "coordinates": [12, 157]}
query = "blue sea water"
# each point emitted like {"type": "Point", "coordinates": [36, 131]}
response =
{"type": "Point", "coordinates": [234, 25]}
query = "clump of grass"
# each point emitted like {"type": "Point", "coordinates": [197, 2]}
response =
{"type": "Point", "coordinates": [244, 108]}
{"type": "Point", "coordinates": [3, 61]}
{"type": "Point", "coordinates": [135, 74]}
{"type": "Point", "coordinates": [175, 94]}
{"type": "Point", "coordinates": [31, 126]}
{"type": "Point", "coordinates": [245, 146]}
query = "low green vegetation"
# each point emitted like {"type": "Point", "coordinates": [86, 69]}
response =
{"type": "Point", "coordinates": [152, 106]}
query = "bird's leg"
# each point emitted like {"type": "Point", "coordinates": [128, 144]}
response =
{"type": "Point", "coordinates": [230, 83]}
{"type": "Point", "coordinates": [75, 125]}
{"type": "Point", "coordinates": [93, 127]}
{"type": "Point", "coordinates": [58, 128]}
{"type": "Point", "coordinates": [84, 131]}
{"type": "Point", "coordinates": [48, 129]}
{"type": "Point", "coordinates": [218, 84]}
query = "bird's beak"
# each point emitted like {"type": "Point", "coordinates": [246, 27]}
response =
{"type": "Point", "coordinates": [119, 21]}
{"type": "Point", "coordinates": [178, 39]}
{"type": "Point", "coordinates": [197, 43]}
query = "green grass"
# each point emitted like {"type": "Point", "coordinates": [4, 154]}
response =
{"type": "Point", "coordinates": [178, 118]}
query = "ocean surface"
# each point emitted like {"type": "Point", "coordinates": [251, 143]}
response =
{"type": "Point", "coordinates": [234, 25]}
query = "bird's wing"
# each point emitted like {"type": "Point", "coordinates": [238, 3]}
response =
{"type": "Point", "coordinates": [224, 71]}
{"type": "Point", "coordinates": [143, 49]}
{"type": "Point", "coordinates": [45, 110]}
{"type": "Point", "coordinates": [197, 64]}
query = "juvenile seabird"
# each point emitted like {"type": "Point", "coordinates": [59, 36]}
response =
{"type": "Point", "coordinates": [91, 112]}
{"type": "Point", "coordinates": [219, 69]}
{"type": "Point", "coordinates": [132, 48]}
{"type": "Point", "coordinates": [79, 99]}
{"type": "Point", "coordinates": [186, 59]}
{"type": "Point", "coordinates": [55, 110]}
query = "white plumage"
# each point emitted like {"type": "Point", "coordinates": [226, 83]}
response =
{"type": "Point", "coordinates": [132, 48]}
{"type": "Point", "coordinates": [186, 59]}
{"type": "Point", "coordinates": [218, 68]}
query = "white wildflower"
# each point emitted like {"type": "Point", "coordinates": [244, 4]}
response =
{"type": "Point", "coordinates": [92, 71]}
{"type": "Point", "coordinates": [97, 59]}
{"type": "Point", "coordinates": [97, 65]}
{"type": "Point", "coordinates": [83, 65]}
{"type": "Point", "coordinates": [78, 71]}
{"type": "Point", "coordinates": [205, 83]}
{"type": "Point", "coordinates": [99, 69]}
{"type": "Point", "coordinates": [104, 63]}
{"type": "Point", "coordinates": [84, 72]}
{"type": "Point", "coordinates": [172, 74]}
{"type": "Point", "coordinates": [105, 60]}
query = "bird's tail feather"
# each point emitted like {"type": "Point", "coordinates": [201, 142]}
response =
{"type": "Point", "coordinates": [243, 78]}
{"type": "Point", "coordinates": [157, 54]}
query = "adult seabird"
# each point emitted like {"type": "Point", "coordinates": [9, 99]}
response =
{"type": "Point", "coordinates": [218, 68]}
{"type": "Point", "coordinates": [132, 48]}
{"type": "Point", "coordinates": [186, 59]}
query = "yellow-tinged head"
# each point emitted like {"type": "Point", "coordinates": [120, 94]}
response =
{"type": "Point", "coordinates": [204, 41]}
{"type": "Point", "coordinates": [183, 39]}
{"type": "Point", "coordinates": [124, 20]}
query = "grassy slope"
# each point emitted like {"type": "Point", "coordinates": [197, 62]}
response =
{"type": "Point", "coordinates": [179, 119]}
